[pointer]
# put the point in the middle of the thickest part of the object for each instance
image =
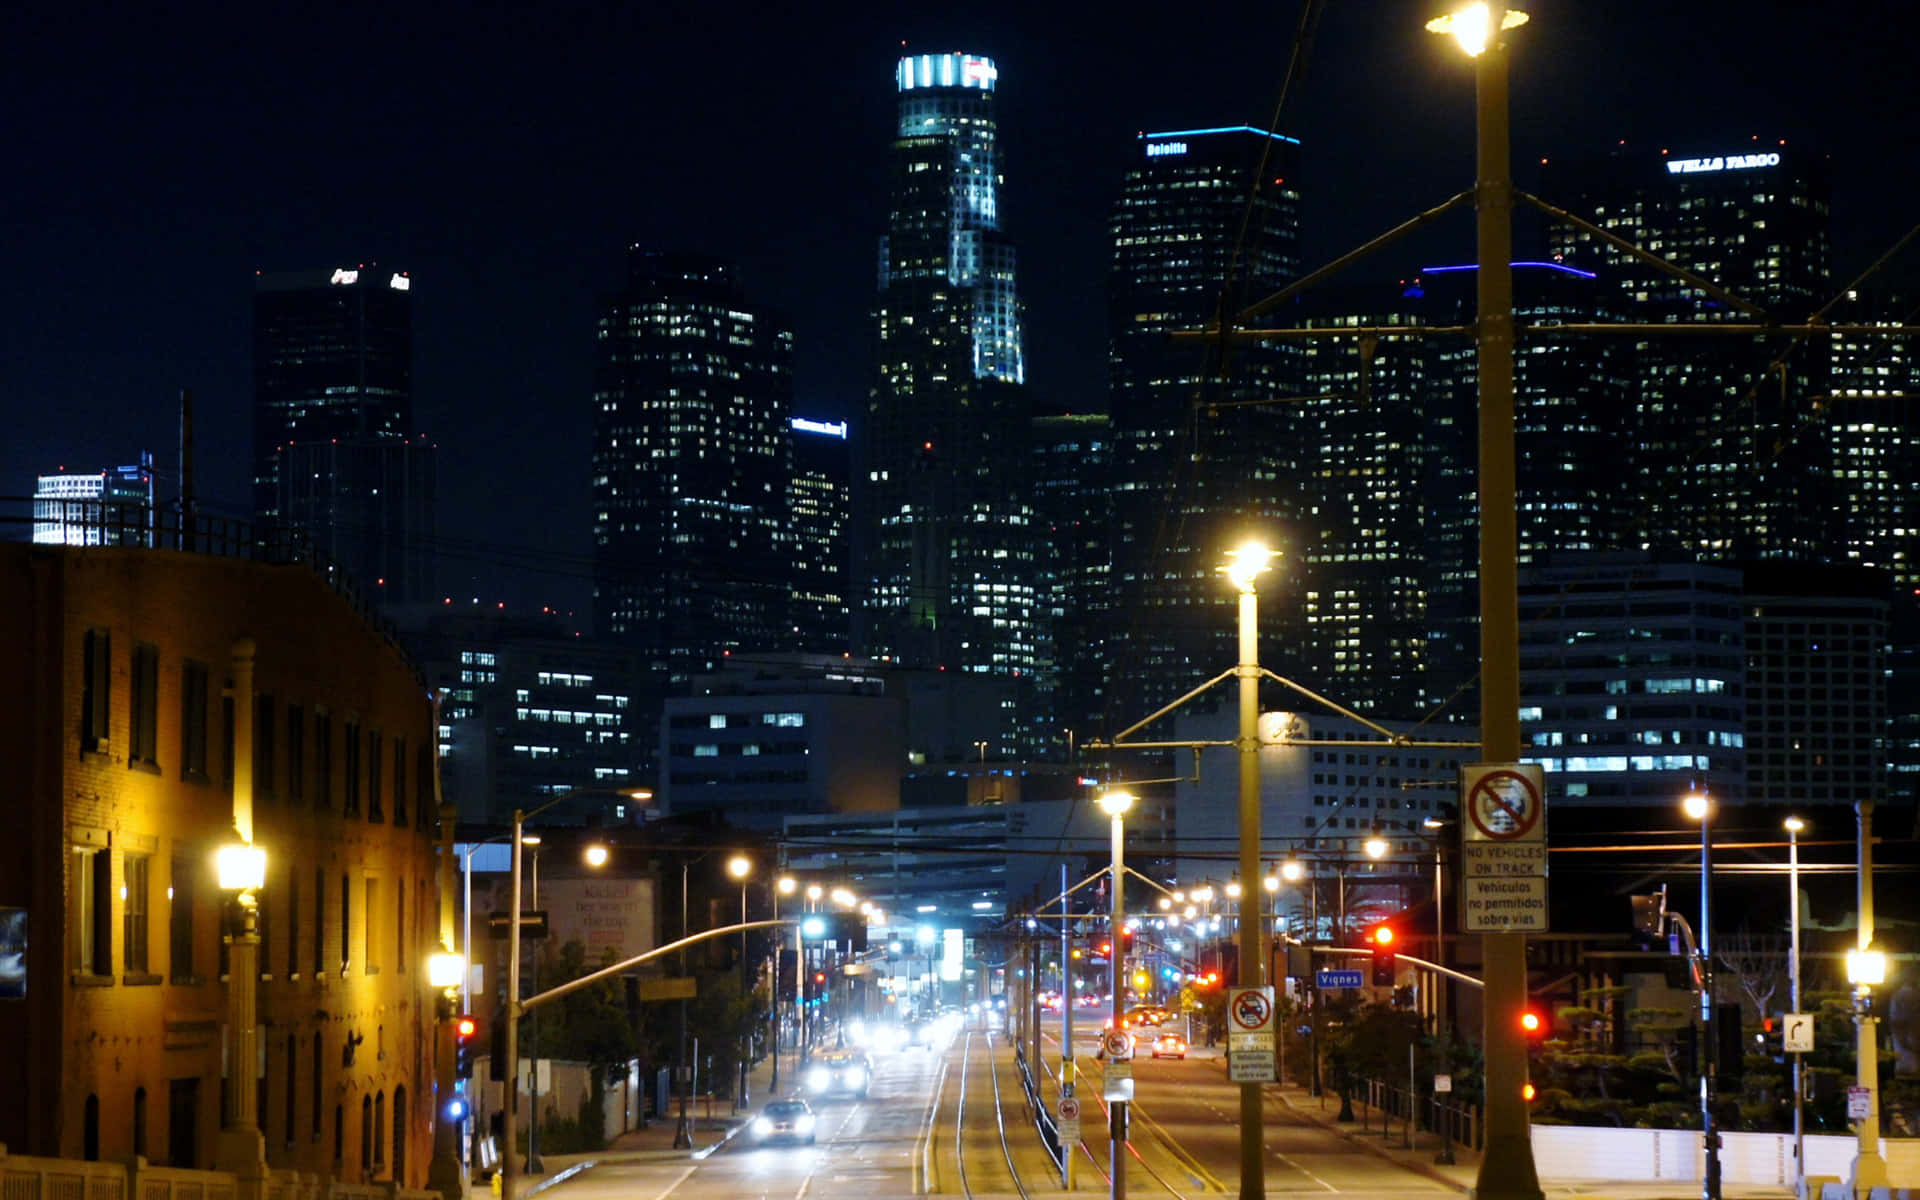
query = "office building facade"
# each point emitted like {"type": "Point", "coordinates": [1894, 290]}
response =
{"type": "Point", "coordinates": [692, 461]}
{"type": "Point", "coordinates": [818, 513]}
{"type": "Point", "coordinates": [108, 508]}
{"type": "Point", "coordinates": [947, 552]}
{"type": "Point", "coordinates": [337, 459]}
{"type": "Point", "coordinates": [1207, 222]}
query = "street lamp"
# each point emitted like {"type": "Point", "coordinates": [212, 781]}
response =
{"type": "Point", "coordinates": [1507, 1169]}
{"type": "Point", "coordinates": [1700, 808]}
{"type": "Point", "coordinates": [740, 867]}
{"type": "Point", "coordinates": [1376, 848]}
{"type": "Point", "coordinates": [241, 868]}
{"type": "Point", "coordinates": [786, 885]}
{"type": "Point", "coordinates": [1115, 804]}
{"type": "Point", "coordinates": [1866, 969]}
{"type": "Point", "coordinates": [1247, 564]}
{"type": "Point", "coordinates": [1794, 826]}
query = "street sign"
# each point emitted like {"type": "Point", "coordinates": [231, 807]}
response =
{"type": "Point", "coordinates": [1442, 1084]}
{"type": "Point", "coordinates": [1503, 802]}
{"type": "Point", "coordinates": [1069, 1131]}
{"type": "Point", "coordinates": [1250, 1041]}
{"type": "Point", "coordinates": [1250, 1066]}
{"type": "Point", "coordinates": [1069, 1108]}
{"type": "Point", "coordinates": [1118, 1045]}
{"type": "Point", "coordinates": [1117, 1082]}
{"type": "Point", "coordinates": [1342, 979]}
{"type": "Point", "coordinates": [1250, 1010]}
{"type": "Point", "coordinates": [680, 987]}
{"type": "Point", "coordinates": [1517, 902]}
{"type": "Point", "coordinates": [1796, 1033]}
{"type": "Point", "coordinates": [533, 924]}
{"type": "Point", "coordinates": [1859, 1103]}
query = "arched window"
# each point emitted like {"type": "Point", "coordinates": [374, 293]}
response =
{"type": "Point", "coordinates": [140, 1121]}
{"type": "Point", "coordinates": [366, 1134]}
{"type": "Point", "coordinates": [400, 1132]}
{"type": "Point", "coordinates": [339, 1137]}
{"type": "Point", "coordinates": [90, 1131]}
{"type": "Point", "coordinates": [379, 1130]}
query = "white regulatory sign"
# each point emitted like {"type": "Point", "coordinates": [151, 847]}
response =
{"type": "Point", "coordinates": [1506, 903]}
{"type": "Point", "coordinates": [1503, 802]}
{"type": "Point", "coordinates": [1859, 1103]}
{"type": "Point", "coordinates": [1069, 1109]}
{"type": "Point", "coordinates": [1119, 1046]}
{"type": "Point", "coordinates": [1796, 1033]}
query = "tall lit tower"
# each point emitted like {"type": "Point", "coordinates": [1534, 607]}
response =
{"type": "Point", "coordinates": [336, 456]}
{"type": "Point", "coordinates": [1207, 221]}
{"type": "Point", "coordinates": [693, 389]}
{"type": "Point", "coordinates": [948, 532]}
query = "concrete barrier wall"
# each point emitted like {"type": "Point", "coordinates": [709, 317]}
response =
{"type": "Point", "coordinates": [1578, 1152]}
{"type": "Point", "coordinates": [23, 1177]}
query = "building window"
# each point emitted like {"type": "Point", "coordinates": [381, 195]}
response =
{"type": "Point", "coordinates": [296, 753]}
{"type": "Point", "coordinates": [313, 1087]}
{"type": "Point", "coordinates": [140, 1121]}
{"type": "Point", "coordinates": [376, 759]}
{"type": "Point", "coordinates": [351, 769]}
{"type": "Point", "coordinates": [323, 760]}
{"type": "Point", "coordinates": [425, 796]}
{"type": "Point", "coordinates": [90, 909]}
{"type": "Point", "coordinates": [96, 711]}
{"type": "Point", "coordinates": [193, 722]}
{"type": "Point", "coordinates": [346, 925]}
{"type": "Point", "coordinates": [379, 1130]}
{"type": "Point", "coordinates": [293, 940]}
{"type": "Point", "coordinates": [400, 782]}
{"type": "Point", "coordinates": [319, 923]}
{"type": "Point", "coordinates": [143, 726]}
{"type": "Point", "coordinates": [290, 1105]}
{"type": "Point", "coordinates": [180, 890]}
{"type": "Point", "coordinates": [400, 926]}
{"type": "Point", "coordinates": [263, 763]}
{"type": "Point", "coordinates": [370, 940]}
{"type": "Point", "coordinates": [136, 875]}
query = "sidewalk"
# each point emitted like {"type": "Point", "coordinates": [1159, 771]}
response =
{"type": "Point", "coordinates": [711, 1129]}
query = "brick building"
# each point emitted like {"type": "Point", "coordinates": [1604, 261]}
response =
{"type": "Point", "coordinates": [117, 717]}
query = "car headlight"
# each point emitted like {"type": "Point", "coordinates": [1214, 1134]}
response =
{"type": "Point", "coordinates": [856, 1078]}
{"type": "Point", "coordinates": [762, 1127]}
{"type": "Point", "coordinates": [819, 1079]}
{"type": "Point", "coordinates": [804, 1124]}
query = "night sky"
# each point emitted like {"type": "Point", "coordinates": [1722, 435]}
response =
{"type": "Point", "coordinates": [155, 158]}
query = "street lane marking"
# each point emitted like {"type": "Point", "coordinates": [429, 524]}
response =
{"type": "Point", "coordinates": [676, 1183]}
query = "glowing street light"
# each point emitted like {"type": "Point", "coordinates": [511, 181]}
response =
{"type": "Point", "coordinates": [1472, 26]}
{"type": "Point", "coordinates": [1376, 848]}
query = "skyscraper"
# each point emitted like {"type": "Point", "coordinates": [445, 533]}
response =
{"type": "Point", "coordinates": [692, 456]}
{"type": "Point", "coordinates": [948, 531]}
{"type": "Point", "coordinates": [1207, 222]}
{"type": "Point", "coordinates": [817, 513]}
{"type": "Point", "coordinates": [336, 455]}
{"type": "Point", "coordinates": [1730, 461]}
{"type": "Point", "coordinates": [105, 508]}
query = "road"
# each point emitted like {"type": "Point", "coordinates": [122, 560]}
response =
{"type": "Point", "coordinates": [952, 1121]}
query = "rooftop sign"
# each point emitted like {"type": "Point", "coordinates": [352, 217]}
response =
{"type": "Point", "coordinates": [1732, 162]}
{"type": "Point", "coordinates": [945, 71]}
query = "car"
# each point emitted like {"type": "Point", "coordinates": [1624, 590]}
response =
{"type": "Point", "coordinates": [1169, 1045]}
{"type": "Point", "coordinates": [789, 1120]}
{"type": "Point", "coordinates": [839, 1073]}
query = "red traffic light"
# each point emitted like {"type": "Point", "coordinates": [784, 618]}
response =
{"type": "Point", "coordinates": [1531, 1022]}
{"type": "Point", "coordinates": [1382, 935]}
{"type": "Point", "coordinates": [1106, 947]}
{"type": "Point", "coordinates": [464, 1026]}
{"type": "Point", "coordinates": [1527, 1092]}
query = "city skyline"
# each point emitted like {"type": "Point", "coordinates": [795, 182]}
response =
{"type": "Point", "coordinates": [143, 194]}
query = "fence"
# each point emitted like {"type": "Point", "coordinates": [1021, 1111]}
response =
{"type": "Point", "coordinates": [1037, 1107]}
{"type": "Point", "coordinates": [24, 1177]}
{"type": "Point", "coordinates": [1457, 1122]}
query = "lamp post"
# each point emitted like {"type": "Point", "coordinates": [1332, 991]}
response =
{"type": "Point", "coordinates": [241, 867]}
{"type": "Point", "coordinates": [1793, 826]}
{"type": "Point", "coordinates": [1248, 563]}
{"type": "Point", "coordinates": [740, 868]}
{"type": "Point", "coordinates": [1700, 809]}
{"type": "Point", "coordinates": [786, 885]}
{"type": "Point", "coordinates": [445, 969]}
{"type": "Point", "coordinates": [1507, 1169]}
{"type": "Point", "coordinates": [1866, 968]}
{"type": "Point", "coordinates": [1115, 804]}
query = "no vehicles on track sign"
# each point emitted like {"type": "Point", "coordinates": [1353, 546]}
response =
{"type": "Point", "coordinates": [1503, 848]}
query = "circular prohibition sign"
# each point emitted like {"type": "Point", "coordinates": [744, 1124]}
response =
{"type": "Point", "coordinates": [1118, 1044]}
{"type": "Point", "coordinates": [1252, 1011]}
{"type": "Point", "coordinates": [1069, 1108]}
{"type": "Point", "coordinates": [1503, 805]}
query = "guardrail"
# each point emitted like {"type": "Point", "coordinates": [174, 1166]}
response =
{"type": "Point", "coordinates": [1037, 1108]}
{"type": "Point", "coordinates": [29, 1177]}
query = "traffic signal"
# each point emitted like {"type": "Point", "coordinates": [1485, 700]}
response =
{"type": "Point", "coordinates": [1533, 1024]}
{"type": "Point", "coordinates": [464, 1028]}
{"type": "Point", "coordinates": [1383, 955]}
{"type": "Point", "coordinates": [1527, 1092]}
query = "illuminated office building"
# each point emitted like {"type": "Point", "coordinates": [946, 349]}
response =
{"type": "Point", "coordinates": [1072, 454]}
{"type": "Point", "coordinates": [1207, 221]}
{"type": "Point", "coordinates": [337, 459]}
{"type": "Point", "coordinates": [692, 457]}
{"type": "Point", "coordinates": [1729, 458]}
{"type": "Point", "coordinates": [948, 533]}
{"type": "Point", "coordinates": [817, 507]}
{"type": "Point", "coordinates": [104, 508]}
